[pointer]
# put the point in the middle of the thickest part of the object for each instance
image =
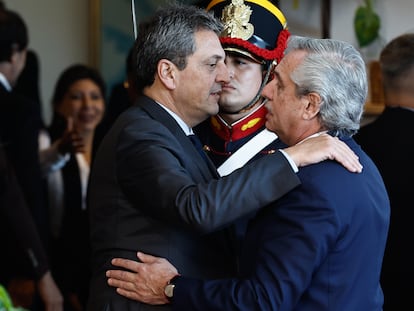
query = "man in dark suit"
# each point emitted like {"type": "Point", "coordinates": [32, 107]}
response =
{"type": "Point", "coordinates": [19, 124]}
{"type": "Point", "coordinates": [391, 131]}
{"type": "Point", "coordinates": [19, 118]}
{"type": "Point", "coordinates": [150, 189]}
{"type": "Point", "coordinates": [320, 246]}
{"type": "Point", "coordinates": [21, 243]}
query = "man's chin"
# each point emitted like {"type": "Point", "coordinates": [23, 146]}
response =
{"type": "Point", "coordinates": [214, 109]}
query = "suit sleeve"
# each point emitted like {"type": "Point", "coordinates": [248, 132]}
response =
{"type": "Point", "coordinates": [286, 245]}
{"type": "Point", "coordinates": [165, 162]}
{"type": "Point", "coordinates": [24, 156]}
{"type": "Point", "coordinates": [16, 215]}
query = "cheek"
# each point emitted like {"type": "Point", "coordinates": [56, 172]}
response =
{"type": "Point", "coordinates": [251, 79]}
{"type": "Point", "coordinates": [100, 111]}
{"type": "Point", "coordinates": [100, 106]}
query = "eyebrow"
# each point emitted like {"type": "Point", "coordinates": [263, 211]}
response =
{"type": "Point", "coordinates": [218, 57]}
{"type": "Point", "coordinates": [214, 58]}
{"type": "Point", "coordinates": [278, 78]}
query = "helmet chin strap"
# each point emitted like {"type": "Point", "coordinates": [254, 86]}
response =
{"type": "Point", "coordinates": [258, 96]}
{"type": "Point", "coordinates": [134, 19]}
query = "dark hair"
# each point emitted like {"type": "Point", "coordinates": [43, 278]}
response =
{"type": "Point", "coordinates": [396, 60]}
{"type": "Point", "coordinates": [68, 77]}
{"type": "Point", "coordinates": [73, 74]}
{"type": "Point", "coordinates": [129, 62]}
{"type": "Point", "coordinates": [13, 34]}
{"type": "Point", "coordinates": [169, 34]}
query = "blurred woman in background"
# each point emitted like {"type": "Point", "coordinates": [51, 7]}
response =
{"type": "Point", "coordinates": [65, 156]}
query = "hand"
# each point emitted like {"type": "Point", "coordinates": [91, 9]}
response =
{"type": "Point", "coordinates": [50, 294]}
{"type": "Point", "coordinates": [71, 141]}
{"type": "Point", "coordinates": [145, 281]}
{"type": "Point", "coordinates": [324, 147]}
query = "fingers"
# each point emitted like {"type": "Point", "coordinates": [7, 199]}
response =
{"type": "Point", "coordinates": [146, 258]}
{"type": "Point", "coordinates": [71, 141]}
{"type": "Point", "coordinates": [128, 264]}
{"type": "Point", "coordinates": [132, 286]}
{"type": "Point", "coordinates": [118, 279]}
{"type": "Point", "coordinates": [121, 275]}
{"type": "Point", "coordinates": [345, 156]}
{"type": "Point", "coordinates": [76, 141]}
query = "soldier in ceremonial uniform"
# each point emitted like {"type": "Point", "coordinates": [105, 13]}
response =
{"type": "Point", "coordinates": [254, 38]}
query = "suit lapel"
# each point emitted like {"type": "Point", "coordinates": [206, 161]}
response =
{"type": "Point", "coordinates": [207, 168]}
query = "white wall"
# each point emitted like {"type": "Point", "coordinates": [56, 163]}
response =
{"type": "Point", "coordinates": [396, 17]}
{"type": "Point", "coordinates": [58, 32]}
{"type": "Point", "coordinates": [59, 29]}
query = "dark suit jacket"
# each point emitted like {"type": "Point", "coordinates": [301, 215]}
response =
{"type": "Point", "coordinates": [22, 251]}
{"type": "Point", "coordinates": [151, 190]}
{"type": "Point", "coordinates": [19, 129]}
{"type": "Point", "coordinates": [28, 82]}
{"type": "Point", "coordinates": [389, 142]}
{"type": "Point", "coordinates": [318, 248]}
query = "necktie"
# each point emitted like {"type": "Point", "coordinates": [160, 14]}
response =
{"type": "Point", "coordinates": [198, 145]}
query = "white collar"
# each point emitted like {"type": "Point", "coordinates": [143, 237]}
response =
{"type": "Point", "coordinates": [313, 135]}
{"type": "Point", "coordinates": [187, 130]}
{"type": "Point", "coordinates": [6, 83]}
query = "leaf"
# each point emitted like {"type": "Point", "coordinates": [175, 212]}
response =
{"type": "Point", "coordinates": [5, 301]}
{"type": "Point", "coordinates": [367, 25]}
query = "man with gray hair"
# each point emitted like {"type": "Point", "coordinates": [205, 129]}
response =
{"type": "Point", "coordinates": [320, 246]}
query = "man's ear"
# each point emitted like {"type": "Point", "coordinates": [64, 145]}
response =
{"type": "Point", "coordinates": [313, 105]}
{"type": "Point", "coordinates": [14, 56]}
{"type": "Point", "coordinates": [15, 53]}
{"type": "Point", "coordinates": [167, 73]}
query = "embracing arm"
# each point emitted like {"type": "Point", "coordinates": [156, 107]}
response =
{"type": "Point", "coordinates": [207, 204]}
{"type": "Point", "coordinates": [302, 233]}
{"type": "Point", "coordinates": [150, 162]}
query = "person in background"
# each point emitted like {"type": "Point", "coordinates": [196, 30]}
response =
{"type": "Point", "coordinates": [392, 130]}
{"type": "Point", "coordinates": [300, 252]}
{"type": "Point", "coordinates": [122, 96]}
{"type": "Point", "coordinates": [250, 55]}
{"type": "Point", "coordinates": [66, 153]}
{"type": "Point", "coordinates": [18, 228]}
{"type": "Point", "coordinates": [28, 83]}
{"type": "Point", "coordinates": [151, 188]}
{"type": "Point", "coordinates": [18, 136]}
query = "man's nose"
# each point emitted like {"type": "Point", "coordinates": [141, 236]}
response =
{"type": "Point", "coordinates": [223, 75]}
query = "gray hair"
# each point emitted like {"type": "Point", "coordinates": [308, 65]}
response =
{"type": "Point", "coordinates": [336, 71]}
{"type": "Point", "coordinates": [169, 34]}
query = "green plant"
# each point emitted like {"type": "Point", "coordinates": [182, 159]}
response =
{"type": "Point", "coordinates": [366, 23]}
{"type": "Point", "coordinates": [6, 303]}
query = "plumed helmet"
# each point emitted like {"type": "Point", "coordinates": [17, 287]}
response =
{"type": "Point", "coordinates": [254, 28]}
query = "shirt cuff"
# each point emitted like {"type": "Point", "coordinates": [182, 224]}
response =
{"type": "Point", "coordinates": [291, 162]}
